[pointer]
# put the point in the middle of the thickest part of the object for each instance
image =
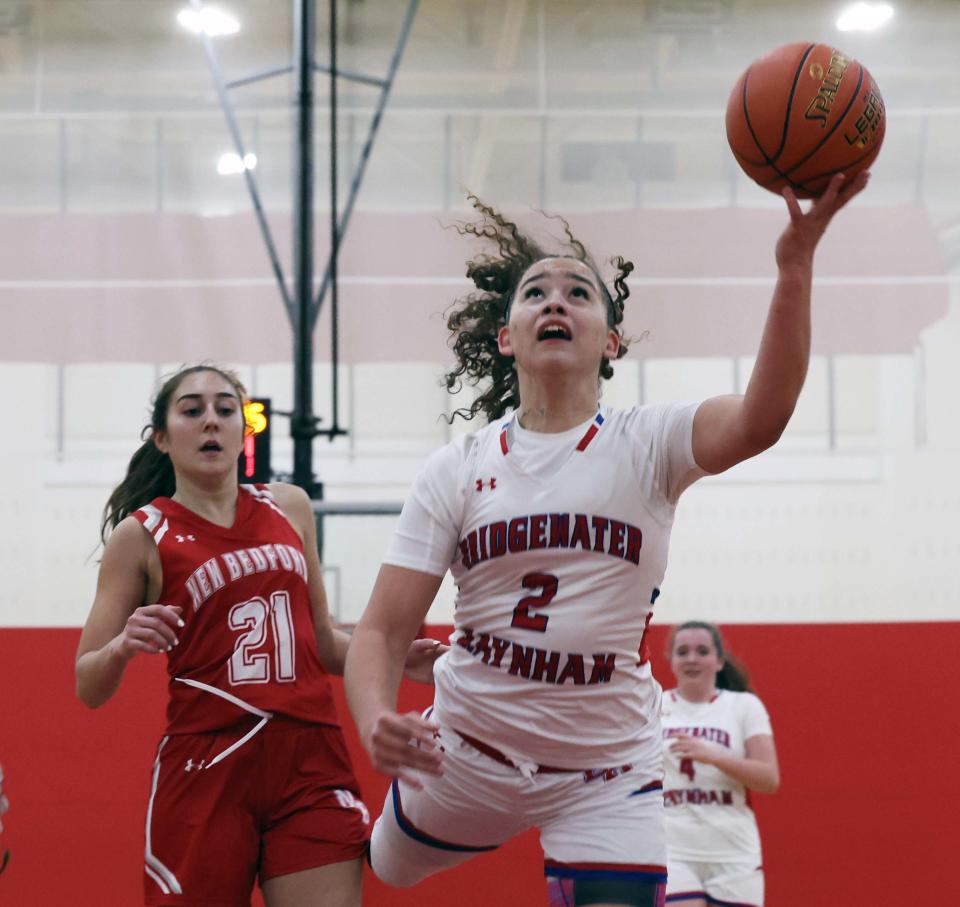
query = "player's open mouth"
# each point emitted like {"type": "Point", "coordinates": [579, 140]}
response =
{"type": "Point", "coordinates": [553, 332]}
{"type": "Point", "coordinates": [211, 445]}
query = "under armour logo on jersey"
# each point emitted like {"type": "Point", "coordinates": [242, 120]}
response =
{"type": "Point", "coordinates": [185, 538]}
{"type": "Point", "coordinates": [191, 765]}
{"type": "Point", "coordinates": [348, 801]}
{"type": "Point", "coordinates": [492, 484]}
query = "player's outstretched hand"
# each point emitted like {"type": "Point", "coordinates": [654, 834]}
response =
{"type": "Point", "coordinates": [151, 629]}
{"type": "Point", "coordinates": [799, 240]}
{"type": "Point", "coordinates": [421, 657]}
{"type": "Point", "coordinates": [398, 743]}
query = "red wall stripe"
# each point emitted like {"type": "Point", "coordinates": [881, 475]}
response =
{"type": "Point", "coordinates": [865, 717]}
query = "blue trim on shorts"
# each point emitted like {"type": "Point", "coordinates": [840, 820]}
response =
{"type": "Point", "coordinates": [687, 896]}
{"type": "Point", "coordinates": [625, 875]}
{"type": "Point", "coordinates": [713, 900]}
{"type": "Point", "coordinates": [647, 788]}
{"type": "Point", "coordinates": [423, 837]}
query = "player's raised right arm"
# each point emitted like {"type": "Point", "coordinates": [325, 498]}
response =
{"type": "Point", "coordinates": [119, 626]}
{"type": "Point", "coordinates": [398, 606]}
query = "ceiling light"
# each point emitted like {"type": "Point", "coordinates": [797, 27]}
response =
{"type": "Point", "coordinates": [864, 16]}
{"type": "Point", "coordinates": [210, 20]}
{"type": "Point", "coordinates": [230, 163]}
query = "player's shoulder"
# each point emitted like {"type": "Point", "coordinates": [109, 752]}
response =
{"type": "Point", "coordinates": [286, 500]}
{"type": "Point", "coordinates": [740, 700]}
{"type": "Point", "coordinates": [128, 544]}
{"type": "Point", "coordinates": [461, 450]}
{"type": "Point", "coordinates": [285, 494]}
{"type": "Point", "coordinates": [649, 418]}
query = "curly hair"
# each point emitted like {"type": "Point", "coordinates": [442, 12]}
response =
{"type": "Point", "coordinates": [150, 473]}
{"type": "Point", "coordinates": [475, 319]}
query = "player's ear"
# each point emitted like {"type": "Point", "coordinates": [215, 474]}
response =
{"type": "Point", "coordinates": [503, 341]}
{"type": "Point", "coordinates": [613, 345]}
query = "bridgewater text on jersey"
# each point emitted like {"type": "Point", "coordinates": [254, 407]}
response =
{"type": "Point", "coordinates": [552, 530]}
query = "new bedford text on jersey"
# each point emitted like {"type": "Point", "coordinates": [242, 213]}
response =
{"type": "Point", "coordinates": [230, 566]}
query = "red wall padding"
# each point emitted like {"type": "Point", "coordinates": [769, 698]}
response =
{"type": "Point", "coordinates": [866, 717]}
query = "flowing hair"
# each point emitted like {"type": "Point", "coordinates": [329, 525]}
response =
{"type": "Point", "coordinates": [475, 319]}
{"type": "Point", "coordinates": [150, 473]}
{"type": "Point", "coordinates": [733, 675]}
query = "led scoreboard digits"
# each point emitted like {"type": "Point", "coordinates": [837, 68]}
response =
{"type": "Point", "coordinates": [254, 463]}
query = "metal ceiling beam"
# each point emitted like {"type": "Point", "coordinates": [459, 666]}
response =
{"type": "Point", "coordinates": [302, 307]}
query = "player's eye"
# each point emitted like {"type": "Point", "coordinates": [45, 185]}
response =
{"type": "Point", "coordinates": [533, 292]}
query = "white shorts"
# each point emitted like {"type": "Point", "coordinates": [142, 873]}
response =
{"type": "Point", "coordinates": [724, 884]}
{"type": "Point", "coordinates": [597, 824]}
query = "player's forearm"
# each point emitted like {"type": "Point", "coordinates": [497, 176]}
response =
{"type": "Point", "coordinates": [332, 647]}
{"type": "Point", "coordinates": [99, 674]}
{"type": "Point", "coordinates": [783, 358]}
{"type": "Point", "coordinates": [374, 667]}
{"type": "Point", "coordinates": [754, 774]}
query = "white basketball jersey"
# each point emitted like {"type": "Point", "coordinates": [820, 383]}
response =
{"type": "Point", "coordinates": [558, 546]}
{"type": "Point", "coordinates": [709, 818]}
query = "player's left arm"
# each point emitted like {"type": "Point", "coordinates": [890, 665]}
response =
{"type": "Point", "coordinates": [730, 429]}
{"type": "Point", "coordinates": [332, 644]}
{"type": "Point", "coordinates": [757, 770]}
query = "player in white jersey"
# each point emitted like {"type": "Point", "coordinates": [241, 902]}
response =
{"type": "Point", "coordinates": [555, 521]}
{"type": "Point", "coordinates": [718, 746]}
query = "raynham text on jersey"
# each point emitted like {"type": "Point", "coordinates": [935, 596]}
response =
{"type": "Point", "coordinates": [538, 664]}
{"type": "Point", "coordinates": [225, 568]}
{"type": "Point", "coordinates": [697, 797]}
{"type": "Point", "coordinates": [552, 530]}
{"type": "Point", "coordinates": [713, 734]}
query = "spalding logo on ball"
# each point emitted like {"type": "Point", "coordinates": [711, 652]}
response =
{"type": "Point", "coordinates": [802, 113]}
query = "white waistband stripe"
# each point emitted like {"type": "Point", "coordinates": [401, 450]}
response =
{"type": "Point", "coordinates": [252, 709]}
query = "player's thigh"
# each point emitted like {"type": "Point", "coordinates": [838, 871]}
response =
{"type": "Point", "coordinates": [685, 885]}
{"type": "Point", "coordinates": [736, 883]}
{"type": "Point", "coordinates": [202, 840]}
{"type": "Point", "coordinates": [334, 885]}
{"type": "Point", "coordinates": [313, 816]}
{"type": "Point", "coordinates": [469, 810]}
{"type": "Point", "coordinates": [604, 840]}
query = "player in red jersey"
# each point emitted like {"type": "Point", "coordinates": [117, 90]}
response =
{"type": "Point", "coordinates": [252, 778]}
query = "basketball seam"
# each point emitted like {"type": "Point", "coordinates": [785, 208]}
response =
{"type": "Point", "coordinates": [793, 90]}
{"type": "Point", "coordinates": [836, 125]}
{"type": "Point", "coordinates": [766, 157]}
{"type": "Point", "coordinates": [847, 166]}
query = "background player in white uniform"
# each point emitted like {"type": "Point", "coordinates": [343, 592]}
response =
{"type": "Point", "coordinates": [718, 745]}
{"type": "Point", "coordinates": [554, 520]}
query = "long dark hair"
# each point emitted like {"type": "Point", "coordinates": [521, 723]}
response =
{"type": "Point", "coordinates": [150, 473]}
{"type": "Point", "coordinates": [733, 675]}
{"type": "Point", "coordinates": [476, 318]}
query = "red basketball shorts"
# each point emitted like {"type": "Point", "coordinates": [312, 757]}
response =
{"type": "Point", "coordinates": [284, 801]}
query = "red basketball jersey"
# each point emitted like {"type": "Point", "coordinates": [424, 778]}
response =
{"type": "Point", "coordinates": [249, 646]}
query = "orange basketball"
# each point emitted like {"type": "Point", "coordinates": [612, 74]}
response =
{"type": "Point", "coordinates": [802, 113]}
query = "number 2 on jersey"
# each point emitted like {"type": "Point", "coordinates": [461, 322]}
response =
{"type": "Point", "coordinates": [248, 666]}
{"type": "Point", "coordinates": [547, 583]}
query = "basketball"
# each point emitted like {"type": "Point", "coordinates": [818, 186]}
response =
{"type": "Point", "coordinates": [802, 113]}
